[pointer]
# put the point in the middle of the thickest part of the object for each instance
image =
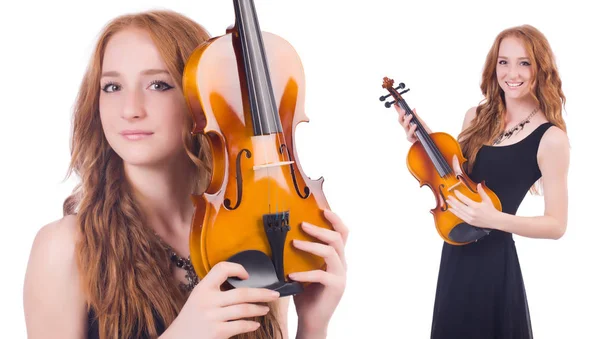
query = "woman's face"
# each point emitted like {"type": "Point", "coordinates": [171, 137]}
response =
{"type": "Point", "coordinates": [513, 68]}
{"type": "Point", "coordinates": [141, 110]}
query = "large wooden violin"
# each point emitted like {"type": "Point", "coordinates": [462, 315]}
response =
{"type": "Point", "coordinates": [429, 160]}
{"type": "Point", "coordinates": [245, 91]}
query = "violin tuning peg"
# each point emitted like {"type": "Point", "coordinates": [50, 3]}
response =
{"type": "Point", "coordinates": [406, 90]}
{"type": "Point", "coordinates": [389, 104]}
{"type": "Point", "coordinates": [383, 97]}
{"type": "Point", "coordinates": [400, 86]}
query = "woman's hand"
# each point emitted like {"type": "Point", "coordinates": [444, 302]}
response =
{"type": "Point", "coordinates": [480, 214]}
{"type": "Point", "coordinates": [408, 127]}
{"type": "Point", "coordinates": [212, 313]}
{"type": "Point", "coordinates": [316, 304]}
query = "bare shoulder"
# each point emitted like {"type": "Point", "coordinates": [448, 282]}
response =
{"type": "Point", "coordinates": [53, 300]}
{"type": "Point", "coordinates": [554, 140]}
{"type": "Point", "coordinates": [469, 116]}
{"type": "Point", "coordinates": [554, 147]}
{"type": "Point", "coordinates": [59, 235]}
{"type": "Point", "coordinates": [555, 137]}
{"type": "Point", "coordinates": [54, 246]}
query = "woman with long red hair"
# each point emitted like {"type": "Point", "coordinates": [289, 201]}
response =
{"type": "Point", "coordinates": [115, 265]}
{"type": "Point", "coordinates": [514, 139]}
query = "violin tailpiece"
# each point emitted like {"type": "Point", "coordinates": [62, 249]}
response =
{"type": "Point", "coordinates": [276, 227]}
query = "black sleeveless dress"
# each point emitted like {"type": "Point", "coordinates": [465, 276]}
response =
{"type": "Point", "coordinates": [480, 291]}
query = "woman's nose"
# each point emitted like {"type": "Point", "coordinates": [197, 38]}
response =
{"type": "Point", "coordinates": [133, 105]}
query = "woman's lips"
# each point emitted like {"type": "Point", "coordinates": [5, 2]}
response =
{"type": "Point", "coordinates": [135, 134]}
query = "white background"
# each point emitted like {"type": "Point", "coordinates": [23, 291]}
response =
{"type": "Point", "coordinates": [437, 49]}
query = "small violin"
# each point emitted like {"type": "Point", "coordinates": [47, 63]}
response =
{"type": "Point", "coordinates": [245, 91]}
{"type": "Point", "coordinates": [429, 160]}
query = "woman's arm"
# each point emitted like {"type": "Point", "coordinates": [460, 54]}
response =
{"type": "Point", "coordinates": [282, 315]}
{"type": "Point", "coordinates": [469, 116]}
{"type": "Point", "coordinates": [553, 159]}
{"type": "Point", "coordinates": [53, 300]}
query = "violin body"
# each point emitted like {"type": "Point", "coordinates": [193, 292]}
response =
{"type": "Point", "coordinates": [257, 187]}
{"type": "Point", "coordinates": [422, 168]}
{"type": "Point", "coordinates": [437, 161]}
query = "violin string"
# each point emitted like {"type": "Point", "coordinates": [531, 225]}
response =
{"type": "Point", "coordinates": [438, 159]}
{"type": "Point", "coordinates": [441, 161]}
{"type": "Point", "coordinates": [271, 121]}
{"type": "Point", "coordinates": [249, 55]}
{"type": "Point", "coordinates": [431, 150]}
{"type": "Point", "coordinates": [274, 117]}
{"type": "Point", "coordinates": [279, 135]}
{"type": "Point", "coordinates": [282, 141]}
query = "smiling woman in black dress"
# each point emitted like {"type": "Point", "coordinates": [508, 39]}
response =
{"type": "Point", "coordinates": [514, 138]}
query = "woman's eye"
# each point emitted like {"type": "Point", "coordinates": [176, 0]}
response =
{"type": "Point", "coordinates": [525, 63]}
{"type": "Point", "coordinates": [110, 87]}
{"type": "Point", "coordinates": [160, 86]}
{"type": "Point", "coordinates": [502, 62]}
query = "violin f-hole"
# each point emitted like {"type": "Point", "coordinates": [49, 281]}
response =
{"type": "Point", "coordinates": [466, 183]}
{"type": "Point", "coordinates": [444, 206]}
{"type": "Point", "coordinates": [306, 189]}
{"type": "Point", "coordinates": [238, 177]}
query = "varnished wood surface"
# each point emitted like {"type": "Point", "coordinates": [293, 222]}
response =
{"type": "Point", "coordinates": [421, 167]}
{"type": "Point", "coordinates": [214, 88]}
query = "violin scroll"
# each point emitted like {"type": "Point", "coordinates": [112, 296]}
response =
{"type": "Point", "coordinates": [389, 85]}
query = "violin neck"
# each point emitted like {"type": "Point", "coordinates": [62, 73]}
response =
{"type": "Point", "coordinates": [265, 116]}
{"type": "Point", "coordinates": [433, 152]}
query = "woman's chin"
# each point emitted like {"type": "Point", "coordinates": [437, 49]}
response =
{"type": "Point", "coordinates": [515, 94]}
{"type": "Point", "coordinates": [144, 159]}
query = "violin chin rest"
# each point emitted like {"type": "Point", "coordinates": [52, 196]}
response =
{"type": "Point", "coordinates": [261, 273]}
{"type": "Point", "coordinates": [464, 232]}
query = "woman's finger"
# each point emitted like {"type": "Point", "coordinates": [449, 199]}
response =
{"type": "Point", "coordinates": [411, 132]}
{"type": "Point", "coordinates": [401, 112]}
{"type": "Point", "coordinates": [332, 259]}
{"type": "Point", "coordinates": [315, 276]}
{"type": "Point", "coordinates": [457, 205]}
{"type": "Point", "coordinates": [247, 295]}
{"type": "Point", "coordinates": [406, 122]}
{"type": "Point", "coordinates": [331, 238]}
{"type": "Point", "coordinates": [240, 311]}
{"type": "Point", "coordinates": [456, 165]}
{"type": "Point", "coordinates": [338, 224]}
{"type": "Point", "coordinates": [223, 270]}
{"type": "Point", "coordinates": [459, 214]}
{"type": "Point", "coordinates": [463, 198]}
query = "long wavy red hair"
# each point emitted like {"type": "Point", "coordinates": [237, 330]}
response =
{"type": "Point", "coordinates": [126, 273]}
{"type": "Point", "coordinates": [546, 88]}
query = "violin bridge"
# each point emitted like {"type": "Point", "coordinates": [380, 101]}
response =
{"type": "Point", "coordinates": [453, 186]}
{"type": "Point", "coordinates": [462, 181]}
{"type": "Point", "coordinates": [274, 164]}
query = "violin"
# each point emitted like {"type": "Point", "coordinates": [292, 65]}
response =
{"type": "Point", "coordinates": [245, 90]}
{"type": "Point", "coordinates": [429, 160]}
